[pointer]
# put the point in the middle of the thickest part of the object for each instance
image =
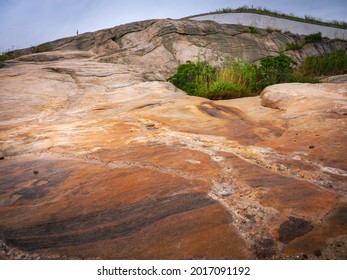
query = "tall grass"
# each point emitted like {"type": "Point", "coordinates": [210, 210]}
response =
{"type": "Point", "coordinates": [240, 73]}
{"type": "Point", "coordinates": [334, 63]}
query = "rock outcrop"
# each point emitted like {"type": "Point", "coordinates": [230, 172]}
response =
{"type": "Point", "coordinates": [164, 44]}
{"type": "Point", "coordinates": [108, 160]}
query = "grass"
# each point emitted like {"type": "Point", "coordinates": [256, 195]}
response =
{"type": "Point", "coordinates": [334, 63]}
{"type": "Point", "coordinates": [236, 78]}
{"type": "Point", "coordinates": [264, 11]}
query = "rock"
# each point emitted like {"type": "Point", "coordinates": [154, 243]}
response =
{"type": "Point", "coordinates": [338, 79]}
{"type": "Point", "coordinates": [136, 169]}
{"type": "Point", "coordinates": [168, 43]}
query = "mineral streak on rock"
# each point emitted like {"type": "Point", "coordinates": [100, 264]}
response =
{"type": "Point", "coordinates": [108, 160]}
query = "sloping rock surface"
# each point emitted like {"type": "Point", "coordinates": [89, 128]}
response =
{"type": "Point", "coordinates": [164, 44]}
{"type": "Point", "coordinates": [107, 160]}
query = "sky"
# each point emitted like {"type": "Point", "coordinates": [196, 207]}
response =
{"type": "Point", "coordinates": [26, 23]}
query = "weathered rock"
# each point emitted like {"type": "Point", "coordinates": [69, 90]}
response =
{"type": "Point", "coordinates": [129, 167]}
{"type": "Point", "coordinates": [164, 44]}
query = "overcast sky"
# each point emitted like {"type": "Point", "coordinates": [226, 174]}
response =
{"type": "Point", "coordinates": [26, 23]}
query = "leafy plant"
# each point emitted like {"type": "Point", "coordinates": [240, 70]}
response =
{"type": "Point", "coordinates": [275, 70]}
{"type": "Point", "coordinates": [313, 38]}
{"type": "Point", "coordinates": [190, 76]}
{"type": "Point", "coordinates": [4, 57]}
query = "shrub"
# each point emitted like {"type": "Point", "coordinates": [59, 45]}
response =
{"type": "Point", "coordinates": [313, 38]}
{"type": "Point", "coordinates": [4, 57]}
{"type": "Point", "coordinates": [275, 70]}
{"type": "Point", "coordinates": [41, 48]}
{"type": "Point", "coordinates": [294, 46]}
{"type": "Point", "coordinates": [250, 29]}
{"type": "Point", "coordinates": [190, 76]}
{"type": "Point", "coordinates": [253, 30]}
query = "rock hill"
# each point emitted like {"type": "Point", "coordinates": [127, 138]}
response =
{"type": "Point", "coordinates": [102, 158]}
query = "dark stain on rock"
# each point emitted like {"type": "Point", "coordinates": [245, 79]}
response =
{"type": "Point", "coordinates": [240, 125]}
{"type": "Point", "coordinates": [112, 224]}
{"type": "Point", "coordinates": [55, 173]}
{"type": "Point", "coordinates": [32, 193]}
{"type": "Point", "coordinates": [342, 215]}
{"type": "Point", "coordinates": [293, 228]}
{"type": "Point", "coordinates": [264, 248]}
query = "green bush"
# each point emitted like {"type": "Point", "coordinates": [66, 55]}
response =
{"type": "Point", "coordinates": [4, 57]}
{"type": "Point", "coordinates": [294, 46]}
{"type": "Point", "coordinates": [313, 38]}
{"type": "Point", "coordinates": [236, 78]}
{"type": "Point", "coordinates": [334, 63]}
{"type": "Point", "coordinates": [253, 30]}
{"type": "Point", "coordinates": [275, 70]}
{"type": "Point", "coordinates": [191, 76]}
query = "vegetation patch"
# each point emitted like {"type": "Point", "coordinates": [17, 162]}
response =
{"type": "Point", "coordinates": [41, 48]}
{"type": "Point", "coordinates": [236, 78]}
{"type": "Point", "coordinates": [334, 63]}
{"type": "Point", "coordinates": [311, 38]}
{"type": "Point", "coordinates": [4, 57]}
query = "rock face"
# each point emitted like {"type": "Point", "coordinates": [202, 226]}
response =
{"type": "Point", "coordinates": [164, 44]}
{"type": "Point", "coordinates": [107, 160]}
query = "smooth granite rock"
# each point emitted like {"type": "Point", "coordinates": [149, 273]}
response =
{"type": "Point", "coordinates": [108, 160]}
